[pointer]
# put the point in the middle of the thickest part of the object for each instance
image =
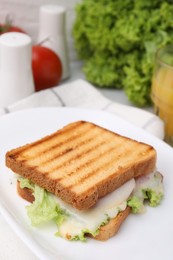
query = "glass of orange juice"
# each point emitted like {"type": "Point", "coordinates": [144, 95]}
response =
{"type": "Point", "coordinates": [162, 89]}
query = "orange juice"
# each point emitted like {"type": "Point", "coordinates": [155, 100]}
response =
{"type": "Point", "coordinates": [162, 96]}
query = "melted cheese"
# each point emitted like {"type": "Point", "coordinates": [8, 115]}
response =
{"type": "Point", "coordinates": [91, 219]}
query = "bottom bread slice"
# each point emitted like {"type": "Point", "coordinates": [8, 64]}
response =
{"type": "Point", "coordinates": [107, 231]}
{"type": "Point", "coordinates": [111, 228]}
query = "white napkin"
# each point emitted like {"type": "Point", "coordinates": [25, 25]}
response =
{"type": "Point", "coordinates": [80, 93]}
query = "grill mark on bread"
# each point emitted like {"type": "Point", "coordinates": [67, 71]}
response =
{"type": "Point", "coordinates": [65, 151]}
{"type": "Point", "coordinates": [75, 173]}
{"type": "Point", "coordinates": [87, 146]}
{"type": "Point", "coordinates": [90, 175]}
{"type": "Point", "coordinates": [64, 131]}
{"type": "Point", "coordinates": [66, 172]}
{"type": "Point", "coordinates": [68, 162]}
{"type": "Point", "coordinates": [85, 132]}
{"type": "Point", "coordinates": [73, 147]}
{"type": "Point", "coordinates": [76, 170]}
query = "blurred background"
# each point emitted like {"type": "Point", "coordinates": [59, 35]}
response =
{"type": "Point", "coordinates": [25, 14]}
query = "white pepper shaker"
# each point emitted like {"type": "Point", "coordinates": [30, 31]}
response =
{"type": "Point", "coordinates": [52, 33]}
{"type": "Point", "coordinates": [16, 78]}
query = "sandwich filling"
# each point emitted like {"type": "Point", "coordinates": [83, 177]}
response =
{"type": "Point", "coordinates": [74, 224]}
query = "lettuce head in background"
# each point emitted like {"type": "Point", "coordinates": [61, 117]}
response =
{"type": "Point", "coordinates": [117, 40]}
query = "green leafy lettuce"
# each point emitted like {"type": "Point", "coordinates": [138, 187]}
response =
{"type": "Point", "coordinates": [150, 190]}
{"type": "Point", "coordinates": [117, 40]}
{"type": "Point", "coordinates": [153, 197]}
{"type": "Point", "coordinates": [82, 235]}
{"type": "Point", "coordinates": [44, 208]}
{"type": "Point", "coordinates": [137, 204]}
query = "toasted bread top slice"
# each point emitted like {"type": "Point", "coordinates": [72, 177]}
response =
{"type": "Point", "coordinates": [82, 162]}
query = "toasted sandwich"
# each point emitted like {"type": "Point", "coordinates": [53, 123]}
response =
{"type": "Point", "coordinates": [86, 178]}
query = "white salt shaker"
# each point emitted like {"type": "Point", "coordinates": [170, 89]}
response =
{"type": "Point", "coordinates": [16, 79]}
{"type": "Point", "coordinates": [52, 33]}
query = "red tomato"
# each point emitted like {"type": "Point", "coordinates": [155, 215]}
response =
{"type": "Point", "coordinates": [46, 67]}
{"type": "Point", "coordinates": [9, 28]}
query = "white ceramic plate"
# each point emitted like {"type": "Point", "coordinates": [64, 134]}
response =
{"type": "Point", "coordinates": [147, 236]}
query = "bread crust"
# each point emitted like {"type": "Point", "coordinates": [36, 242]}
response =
{"type": "Point", "coordinates": [112, 227]}
{"type": "Point", "coordinates": [142, 162]}
{"type": "Point", "coordinates": [25, 193]}
{"type": "Point", "coordinates": [107, 231]}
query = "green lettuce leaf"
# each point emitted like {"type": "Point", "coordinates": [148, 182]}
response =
{"type": "Point", "coordinates": [135, 204]}
{"type": "Point", "coordinates": [82, 235]}
{"type": "Point", "coordinates": [25, 183]}
{"type": "Point", "coordinates": [44, 208]}
{"type": "Point", "coordinates": [153, 197]}
{"type": "Point", "coordinates": [117, 42]}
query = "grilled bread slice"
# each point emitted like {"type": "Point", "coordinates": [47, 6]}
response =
{"type": "Point", "coordinates": [82, 162]}
{"type": "Point", "coordinates": [107, 231]}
